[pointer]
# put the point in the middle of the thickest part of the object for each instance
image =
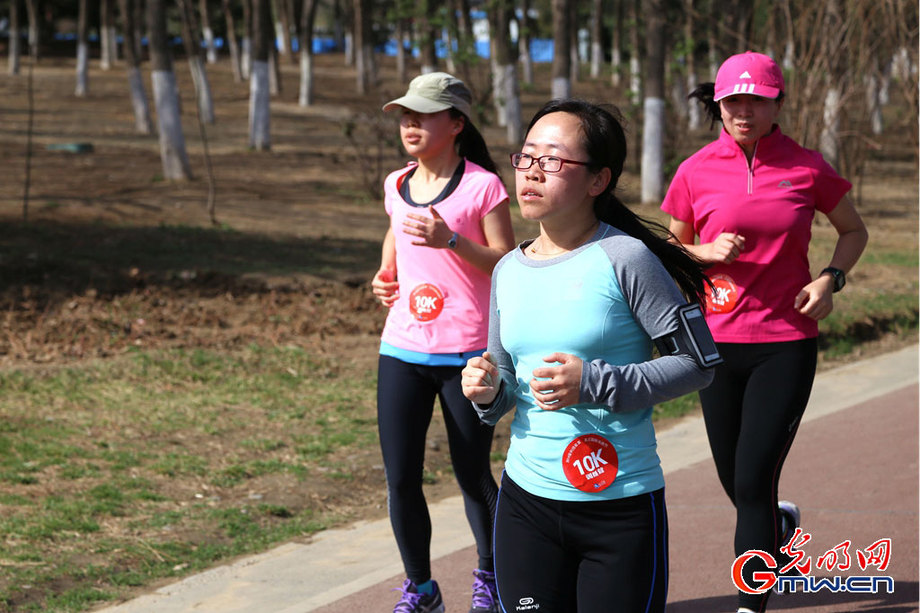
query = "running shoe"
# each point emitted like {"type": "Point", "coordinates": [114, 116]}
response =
{"type": "Point", "coordinates": [485, 594]}
{"type": "Point", "coordinates": [792, 519]}
{"type": "Point", "coordinates": [413, 602]}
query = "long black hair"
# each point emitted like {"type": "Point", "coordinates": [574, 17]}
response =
{"type": "Point", "coordinates": [704, 93]}
{"type": "Point", "coordinates": [605, 144]}
{"type": "Point", "coordinates": [471, 145]}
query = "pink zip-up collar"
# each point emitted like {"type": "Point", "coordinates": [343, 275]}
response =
{"type": "Point", "coordinates": [764, 144]}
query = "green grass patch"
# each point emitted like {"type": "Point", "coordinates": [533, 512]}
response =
{"type": "Point", "coordinates": [120, 473]}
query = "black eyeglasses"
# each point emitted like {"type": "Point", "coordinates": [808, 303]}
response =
{"type": "Point", "coordinates": [547, 163]}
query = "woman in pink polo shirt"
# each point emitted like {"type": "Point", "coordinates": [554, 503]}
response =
{"type": "Point", "coordinates": [449, 224]}
{"type": "Point", "coordinates": [750, 197]}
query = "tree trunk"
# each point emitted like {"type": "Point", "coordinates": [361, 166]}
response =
{"type": "Point", "coordinates": [524, 36]}
{"type": "Point", "coordinates": [208, 33]}
{"type": "Point", "coordinates": [507, 98]}
{"type": "Point", "coordinates": [142, 123]}
{"type": "Point", "coordinates": [137, 8]}
{"type": "Point", "coordinates": [232, 42]}
{"type": "Point", "coordinates": [283, 28]}
{"type": "Point", "coordinates": [574, 43]}
{"type": "Point", "coordinates": [654, 104]}
{"type": "Point", "coordinates": [402, 73]}
{"type": "Point", "coordinates": [32, 11]}
{"type": "Point", "coordinates": [365, 71]}
{"type": "Point", "coordinates": [833, 52]}
{"type": "Point", "coordinates": [14, 50]}
{"type": "Point", "coordinates": [635, 52]}
{"type": "Point", "coordinates": [562, 50]}
{"type": "Point", "coordinates": [82, 52]}
{"type": "Point", "coordinates": [597, 39]}
{"type": "Point", "coordinates": [616, 43]}
{"type": "Point", "coordinates": [307, 19]}
{"type": "Point", "coordinates": [259, 95]}
{"type": "Point", "coordinates": [694, 115]}
{"type": "Point", "coordinates": [106, 35]}
{"type": "Point", "coordinates": [166, 96]}
{"type": "Point", "coordinates": [246, 43]}
{"type": "Point", "coordinates": [196, 62]}
{"type": "Point", "coordinates": [428, 57]}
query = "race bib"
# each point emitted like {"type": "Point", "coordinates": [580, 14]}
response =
{"type": "Point", "coordinates": [590, 463]}
{"type": "Point", "coordinates": [426, 302]}
{"type": "Point", "coordinates": [722, 296]}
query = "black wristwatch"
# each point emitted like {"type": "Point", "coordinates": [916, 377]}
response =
{"type": "Point", "coordinates": [840, 278]}
{"type": "Point", "coordinates": [452, 241]}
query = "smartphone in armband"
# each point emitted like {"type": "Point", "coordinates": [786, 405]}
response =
{"type": "Point", "coordinates": [696, 332]}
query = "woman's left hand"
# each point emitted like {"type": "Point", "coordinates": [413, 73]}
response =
{"type": "Point", "coordinates": [559, 386]}
{"type": "Point", "coordinates": [431, 231]}
{"type": "Point", "coordinates": [816, 299]}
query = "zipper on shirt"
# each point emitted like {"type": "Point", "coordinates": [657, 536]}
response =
{"type": "Point", "coordinates": [750, 169]}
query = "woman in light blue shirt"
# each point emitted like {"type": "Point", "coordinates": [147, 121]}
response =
{"type": "Point", "coordinates": [581, 523]}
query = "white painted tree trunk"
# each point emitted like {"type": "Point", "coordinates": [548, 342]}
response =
{"type": "Point", "coordinates": [142, 123]}
{"type": "Point", "coordinates": [616, 63]}
{"type": "Point", "coordinates": [274, 87]}
{"type": "Point", "coordinates": [349, 49]}
{"type": "Point", "coordinates": [694, 113]}
{"type": "Point", "coordinates": [789, 54]}
{"type": "Point", "coordinates": [513, 128]}
{"type": "Point", "coordinates": [874, 103]}
{"type": "Point", "coordinates": [500, 89]}
{"type": "Point", "coordinates": [208, 35]}
{"type": "Point", "coordinates": [202, 89]}
{"type": "Point", "coordinates": [280, 38]}
{"type": "Point", "coordinates": [82, 86]}
{"type": "Point", "coordinates": [14, 52]}
{"type": "Point", "coordinates": [635, 78]}
{"type": "Point", "coordinates": [259, 107]}
{"type": "Point", "coordinates": [597, 58]}
{"type": "Point", "coordinates": [246, 57]}
{"type": "Point", "coordinates": [305, 97]}
{"type": "Point", "coordinates": [830, 133]}
{"type": "Point", "coordinates": [107, 47]}
{"type": "Point", "coordinates": [653, 150]}
{"type": "Point", "coordinates": [169, 124]}
{"type": "Point", "coordinates": [561, 88]}
{"type": "Point", "coordinates": [526, 61]}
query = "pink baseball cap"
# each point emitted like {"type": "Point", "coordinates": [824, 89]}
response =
{"type": "Point", "coordinates": [750, 73]}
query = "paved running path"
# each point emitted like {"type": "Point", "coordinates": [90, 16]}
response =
{"type": "Point", "coordinates": [853, 470]}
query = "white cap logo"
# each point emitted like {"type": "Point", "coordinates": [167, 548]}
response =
{"type": "Point", "coordinates": [745, 75]}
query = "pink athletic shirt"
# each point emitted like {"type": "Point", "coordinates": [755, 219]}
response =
{"type": "Point", "coordinates": [772, 205]}
{"type": "Point", "coordinates": [443, 299]}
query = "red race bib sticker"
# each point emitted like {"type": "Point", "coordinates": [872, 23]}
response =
{"type": "Point", "coordinates": [723, 295]}
{"type": "Point", "coordinates": [590, 463]}
{"type": "Point", "coordinates": [426, 302]}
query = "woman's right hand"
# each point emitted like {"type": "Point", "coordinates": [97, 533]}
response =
{"type": "Point", "coordinates": [724, 250]}
{"type": "Point", "coordinates": [480, 379]}
{"type": "Point", "coordinates": [386, 287]}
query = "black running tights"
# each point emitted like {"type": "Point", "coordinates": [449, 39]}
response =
{"type": "Point", "coordinates": [405, 404]}
{"type": "Point", "coordinates": [752, 411]}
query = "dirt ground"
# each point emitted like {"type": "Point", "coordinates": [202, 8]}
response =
{"type": "Point", "coordinates": [304, 211]}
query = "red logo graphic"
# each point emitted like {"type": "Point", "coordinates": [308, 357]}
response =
{"type": "Point", "coordinates": [426, 302]}
{"type": "Point", "coordinates": [723, 295]}
{"type": "Point", "coordinates": [590, 463]}
{"type": "Point", "coordinates": [837, 558]}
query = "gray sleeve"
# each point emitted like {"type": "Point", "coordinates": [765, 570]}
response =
{"type": "Point", "coordinates": [505, 400]}
{"type": "Point", "coordinates": [654, 299]}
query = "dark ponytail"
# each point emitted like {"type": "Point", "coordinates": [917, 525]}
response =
{"type": "Point", "coordinates": [471, 145]}
{"type": "Point", "coordinates": [605, 144]}
{"type": "Point", "coordinates": [705, 92]}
